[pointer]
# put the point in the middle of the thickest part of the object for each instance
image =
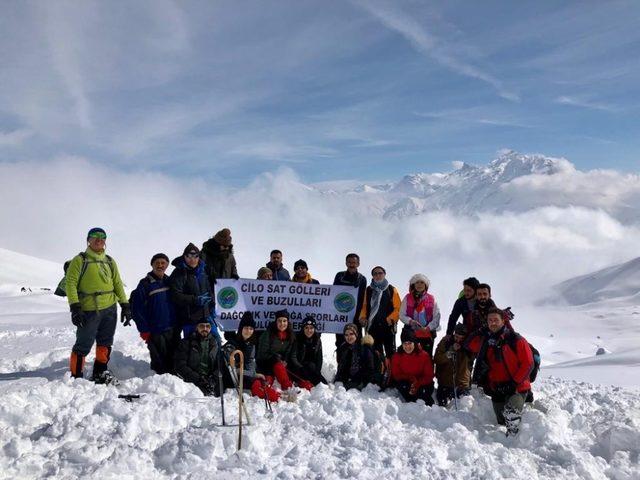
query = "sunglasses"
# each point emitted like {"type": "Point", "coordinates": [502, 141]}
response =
{"type": "Point", "coordinates": [192, 255]}
{"type": "Point", "coordinates": [101, 236]}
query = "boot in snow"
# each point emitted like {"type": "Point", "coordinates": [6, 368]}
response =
{"type": "Point", "coordinates": [290, 395]}
{"type": "Point", "coordinates": [105, 378]}
{"type": "Point", "coordinates": [512, 419]}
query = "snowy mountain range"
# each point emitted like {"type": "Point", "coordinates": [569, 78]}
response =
{"type": "Point", "coordinates": [512, 182]}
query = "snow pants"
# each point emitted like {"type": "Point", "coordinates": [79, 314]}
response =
{"type": "Point", "coordinates": [444, 394]}
{"type": "Point", "coordinates": [99, 327]}
{"type": "Point", "coordinates": [162, 348]}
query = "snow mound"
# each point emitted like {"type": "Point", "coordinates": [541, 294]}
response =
{"type": "Point", "coordinates": [67, 428]}
{"type": "Point", "coordinates": [24, 270]}
{"type": "Point", "coordinates": [611, 283]}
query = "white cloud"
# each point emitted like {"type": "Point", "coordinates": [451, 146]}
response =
{"type": "Point", "coordinates": [50, 209]}
{"type": "Point", "coordinates": [585, 103]}
{"type": "Point", "coordinates": [434, 47]}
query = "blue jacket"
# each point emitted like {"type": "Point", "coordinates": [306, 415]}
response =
{"type": "Point", "coordinates": [151, 305]}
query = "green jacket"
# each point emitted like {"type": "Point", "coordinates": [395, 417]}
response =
{"type": "Point", "coordinates": [101, 275]}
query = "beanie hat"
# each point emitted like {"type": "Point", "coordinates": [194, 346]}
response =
{"type": "Point", "coordinates": [309, 320]}
{"type": "Point", "coordinates": [460, 329]}
{"type": "Point", "coordinates": [223, 237]}
{"type": "Point", "coordinates": [246, 321]}
{"type": "Point", "coordinates": [374, 269]}
{"type": "Point", "coordinates": [282, 313]}
{"type": "Point", "coordinates": [419, 277]}
{"type": "Point", "coordinates": [300, 263]}
{"type": "Point", "coordinates": [472, 282]}
{"type": "Point", "coordinates": [191, 248]}
{"type": "Point", "coordinates": [263, 271]}
{"type": "Point", "coordinates": [96, 230]}
{"type": "Point", "coordinates": [408, 335]}
{"type": "Point", "coordinates": [350, 326]}
{"type": "Point", "coordinates": [157, 256]}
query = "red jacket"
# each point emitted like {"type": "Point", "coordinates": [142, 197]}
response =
{"type": "Point", "coordinates": [516, 363]}
{"type": "Point", "coordinates": [415, 367]}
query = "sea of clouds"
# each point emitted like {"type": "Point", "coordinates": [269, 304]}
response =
{"type": "Point", "coordinates": [48, 208]}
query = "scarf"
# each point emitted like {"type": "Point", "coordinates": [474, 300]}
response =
{"type": "Point", "coordinates": [306, 279]}
{"type": "Point", "coordinates": [377, 289]}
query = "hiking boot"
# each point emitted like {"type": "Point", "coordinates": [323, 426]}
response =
{"type": "Point", "coordinates": [105, 378]}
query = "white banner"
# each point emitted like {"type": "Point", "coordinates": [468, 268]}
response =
{"type": "Point", "coordinates": [332, 306]}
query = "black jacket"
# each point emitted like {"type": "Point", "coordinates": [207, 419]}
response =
{"type": "Point", "coordinates": [188, 354]}
{"type": "Point", "coordinates": [307, 353]}
{"type": "Point", "coordinates": [219, 264]}
{"type": "Point", "coordinates": [248, 349]}
{"type": "Point", "coordinates": [357, 280]}
{"type": "Point", "coordinates": [186, 284]}
{"type": "Point", "coordinates": [361, 376]}
{"type": "Point", "coordinates": [461, 307]}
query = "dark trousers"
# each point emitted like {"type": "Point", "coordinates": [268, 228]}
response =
{"type": "Point", "coordinates": [162, 348]}
{"type": "Point", "coordinates": [424, 393]}
{"type": "Point", "coordinates": [384, 338]}
{"type": "Point", "coordinates": [444, 394]}
{"type": "Point", "coordinates": [308, 374]}
{"type": "Point", "coordinates": [99, 327]}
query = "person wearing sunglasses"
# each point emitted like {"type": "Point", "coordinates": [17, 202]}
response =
{"type": "Point", "coordinates": [94, 287]}
{"type": "Point", "coordinates": [191, 291]}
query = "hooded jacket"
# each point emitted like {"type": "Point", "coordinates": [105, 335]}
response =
{"type": "Point", "coordinates": [307, 353]}
{"type": "Point", "coordinates": [219, 264]}
{"type": "Point", "coordinates": [186, 284]}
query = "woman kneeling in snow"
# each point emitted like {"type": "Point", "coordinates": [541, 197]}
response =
{"type": "Point", "coordinates": [245, 341]}
{"type": "Point", "coordinates": [274, 351]}
{"type": "Point", "coordinates": [412, 370]}
{"type": "Point", "coordinates": [306, 356]}
{"type": "Point", "coordinates": [356, 361]}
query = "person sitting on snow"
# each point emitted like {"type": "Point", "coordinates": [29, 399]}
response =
{"type": "Point", "coordinates": [274, 351]}
{"type": "Point", "coordinates": [245, 340]}
{"type": "Point", "coordinates": [356, 360]}
{"type": "Point", "coordinates": [155, 316]}
{"type": "Point", "coordinates": [503, 364]}
{"type": "Point", "coordinates": [196, 359]}
{"type": "Point", "coordinates": [412, 370]}
{"type": "Point", "coordinates": [453, 363]}
{"type": "Point", "coordinates": [306, 356]}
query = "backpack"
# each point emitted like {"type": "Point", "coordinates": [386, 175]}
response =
{"type": "Point", "coordinates": [61, 290]}
{"type": "Point", "coordinates": [537, 360]}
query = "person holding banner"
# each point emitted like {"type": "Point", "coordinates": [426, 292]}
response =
{"type": "Point", "coordinates": [274, 351]}
{"type": "Point", "coordinates": [306, 356]}
{"type": "Point", "coordinates": [301, 273]}
{"type": "Point", "coordinates": [352, 278]}
{"type": "Point", "coordinates": [420, 311]}
{"type": "Point", "coordinates": [380, 312]}
{"type": "Point", "coordinates": [356, 360]}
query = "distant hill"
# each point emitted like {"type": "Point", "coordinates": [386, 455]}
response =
{"type": "Point", "coordinates": [24, 270]}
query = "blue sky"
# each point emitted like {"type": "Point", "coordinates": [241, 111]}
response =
{"type": "Point", "coordinates": [333, 89]}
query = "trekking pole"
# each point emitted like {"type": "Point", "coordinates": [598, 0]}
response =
{"type": "Point", "coordinates": [234, 379]}
{"type": "Point", "coordinates": [220, 380]}
{"type": "Point", "coordinates": [232, 361]}
{"type": "Point", "coordinates": [455, 375]}
{"type": "Point", "coordinates": [267, 402]}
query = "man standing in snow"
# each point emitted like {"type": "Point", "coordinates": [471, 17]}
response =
{"type": "Point", "coordinates": [217, 254]}
{"type": "Point", "coordinates": [155, 315]}
{"type": "Point", "coordinates": [453, 365]}
{"type": "Point", "coordinates": [93, 287]}
{"type": "Point", "coordinates": [352, 278]}
{"type": "Point", "coordinates": [503, 364]}
{"type": "Point", "coordinates": [277, 269]}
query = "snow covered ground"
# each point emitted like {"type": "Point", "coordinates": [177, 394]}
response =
{"type": "Point", "coordinates": [585, 422]}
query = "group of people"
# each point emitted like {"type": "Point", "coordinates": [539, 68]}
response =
{"type": "Point", "coordinates": [175, 316]}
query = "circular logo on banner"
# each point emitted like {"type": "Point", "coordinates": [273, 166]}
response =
{"type": "Point", "coordinates": [344, 302]}
{"type": "Point", "coordinates": [227, 297]}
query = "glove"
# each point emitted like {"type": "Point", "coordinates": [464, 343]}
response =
{"type": "Point", "coordinates": [125, 314]}
{"type": "Point", "coordinates": [146, 336]}
{"type": "Point", "coordinates": [203, 299]}
{"type": "Point", "coordinates": [77, 316]}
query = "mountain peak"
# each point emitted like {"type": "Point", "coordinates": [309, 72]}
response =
{"type": "Point", "coordinates": [511, 164]}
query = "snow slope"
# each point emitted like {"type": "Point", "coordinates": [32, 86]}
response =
{"type": "Point", "coordinates": [618, 282]}
{"type": "Point", "coordinates": [53, 426]}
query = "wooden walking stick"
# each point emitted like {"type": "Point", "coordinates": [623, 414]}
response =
{"type": "Point", "coordinates": [232, 361]}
